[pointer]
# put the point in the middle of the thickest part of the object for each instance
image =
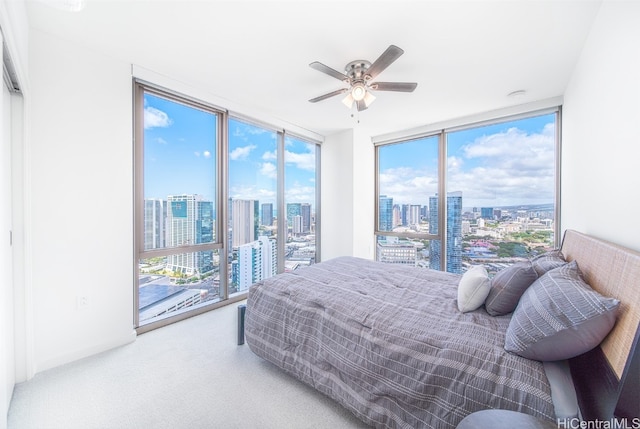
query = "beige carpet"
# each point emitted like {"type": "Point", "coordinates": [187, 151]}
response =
{"type": "Point", "coordinates": [191, 374]}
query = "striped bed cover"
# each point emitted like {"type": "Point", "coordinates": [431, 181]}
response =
{"type": "Point", "coordinates": [388, 343]}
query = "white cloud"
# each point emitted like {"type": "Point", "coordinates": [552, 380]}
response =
{"type": "Point", "coordinates": [301, 194]}
{"type": "Point", "coordinates": [253, 192]}
{"type": "Point", "coordinates": [270, 156]}
{"type": "Point", "coordinates": [408, 185]}
{"type": "Point", "coordinates": [507, 168]}
{"type": "Point", "coordinates": [303, 161]}
{"type": "Point", "coordinates": [269, 170]}
{"type": "Point", "coordinates": [155, 118]}
{"type": "Point", "coordinates": [501, 169]}
{"type": "Point", "coordinates": [241, 152]}
{"type": "Point", "coordinates": [206, 154]}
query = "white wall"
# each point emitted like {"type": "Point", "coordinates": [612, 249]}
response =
{"type": "Point", "coordinates": [363, 176]}
{"type": "Point", "coordinates": [81, 201]}
{"type": "Point", "coordinates": [347, 194]}
{"type": "Point", "coordinates": [336, 195]}
{"type": "Point", "coordinates": [601, 136]}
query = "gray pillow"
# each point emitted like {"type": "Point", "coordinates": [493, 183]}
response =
{"type": "Point", "coordinates": [507, 286]}
{"type": "Point", "coordinates": [548, 261]}
{"type": "Point", "coordinates": [559, 316]}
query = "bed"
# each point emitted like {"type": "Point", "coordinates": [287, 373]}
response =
{"type": "Point", "coordinates": [389, 342]}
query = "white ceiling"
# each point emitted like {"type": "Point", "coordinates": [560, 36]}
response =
{"type": "Point", "coordinates": [465, 55]}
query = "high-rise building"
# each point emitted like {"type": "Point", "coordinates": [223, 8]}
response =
{"type": "Point", "coordinates": [189, 221]}
{"type": "Point", "coordinates": [391, 250]}
{"type": "Point", "coordinates": [297, 226]}
{"type": "Point", "coordinates": [385, 213]}
{"type": "Point", "coordinates": [305, 212]}
{"type": "Point", "coordinates": [155, 213]}
{"type": "Point", "coordinates": [486, 213]}
{"type": "Point", "coordinates": [293, 210]}
{"type": "Point", "coordinates": [267, 214]}
{"type": "Point", "coordinates": [414, 214]}
{"type": "Point", "coordinates": [256, 261]}
{"type": "Point", "coordinates": [405, 215]}
{"type": "Point", "coordinates": [397, 215]}
{"type": "Point", "coordinates": [205, 231]}
{"type": "Point", "coordinates": [244, 221]}
{"type": "Point", "coordinates": [453, 233]}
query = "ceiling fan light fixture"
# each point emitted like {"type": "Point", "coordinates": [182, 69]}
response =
{"type": "Point", "coordinates": [369, 98]}
{"type": "Point", "coordinates": [358, 91]}
{"type": "Point", "coordinates": [348, 100]}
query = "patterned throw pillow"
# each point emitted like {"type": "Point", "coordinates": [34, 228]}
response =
{"type": "Point", "coordinates": [559, 316]}
{"type": "Point", "coordinates": [507, 286]}
{"type": "Point", "coordinates": [548, 261]}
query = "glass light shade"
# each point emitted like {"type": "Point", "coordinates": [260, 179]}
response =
{"type": "Point", "coordinates": [348, 100]}
{"type": "Point", "coordinates": [358, 92]}
{"type": "Point", "coordinates": [368, 98]}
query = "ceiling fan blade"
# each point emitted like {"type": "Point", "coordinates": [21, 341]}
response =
{"type": "Point", "coordinates": [361, 105]}
{"type": "Point", "coordinates": [328, 70]}
{"type": "Point", "coordinates": [394, 86]}
{"type": "Point", "coordinates": [329, 95]}
{"type": "Point", "coordinates": [390, 55]}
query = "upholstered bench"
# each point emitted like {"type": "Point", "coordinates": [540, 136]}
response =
{"type": "Point", "coordinates": [503, 419]}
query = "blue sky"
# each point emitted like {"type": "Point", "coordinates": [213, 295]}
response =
{"type": "Point", "coordinates": [504, 164]}
{"type": "Point", "coordinates": [179, 149]}
{"type": "Point", "coordinates": [180, 157]}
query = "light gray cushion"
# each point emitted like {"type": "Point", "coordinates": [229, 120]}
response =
{"type": "Point", "coordinates": [548, 261]}
{"type": "Point", "coordinates": [563, 391]}
{"type": "Point", "coordinates": [559, 316]}
{"type": "Point", "coordinates": [507, 286]}
{"type": "Point", "coordinates": [503, 419]}
{"type": "Point", "coordinates": [473, 288]}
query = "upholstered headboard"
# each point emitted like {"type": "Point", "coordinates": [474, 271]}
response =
{"type": "Point", "coordinates": [614, 271]}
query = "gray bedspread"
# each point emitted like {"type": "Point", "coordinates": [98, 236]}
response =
{"type": "Point", "coordinates": [389, 344]}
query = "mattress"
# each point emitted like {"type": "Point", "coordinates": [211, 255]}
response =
{"type": "Point", "coordinates": [389, 344]}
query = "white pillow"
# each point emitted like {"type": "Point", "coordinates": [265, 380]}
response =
{"type": "Point", "coordinates": [473, 288]}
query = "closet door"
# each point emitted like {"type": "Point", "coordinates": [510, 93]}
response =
{"type": "Point", "coordinates": [7, 362]}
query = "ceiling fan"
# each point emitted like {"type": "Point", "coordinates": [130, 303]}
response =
{"type": "Point", "coordinates": [359, 75]}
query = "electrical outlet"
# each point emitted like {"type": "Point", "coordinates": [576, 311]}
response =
{"type": "Point", "coordinates": [83, 302]}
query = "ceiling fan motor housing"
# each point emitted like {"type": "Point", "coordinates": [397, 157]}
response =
{"type": "Point", "coordinates": [356, 70]}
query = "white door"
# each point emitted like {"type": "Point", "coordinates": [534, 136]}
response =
{"type": "Point", "coordinates": [7, 361]}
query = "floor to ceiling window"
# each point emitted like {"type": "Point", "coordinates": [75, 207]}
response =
{"type": "Point", "coordinates": [301, 201]}
{"type": "Point", "coordinates": [489, 196]}
{"type": "Point", "coordinates": [253, 200]}
{"type": "Point", "coordinates": [215, 194]}
{"type": "Point", "coordinates": [179, 244]}
{"type": "Point", "coordinates": [407, 178]}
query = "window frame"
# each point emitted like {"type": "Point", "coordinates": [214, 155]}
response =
{"type": "Point", "coordinates": [220, 244]}
{"type": "Point", "coordinates": [442, 132]}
